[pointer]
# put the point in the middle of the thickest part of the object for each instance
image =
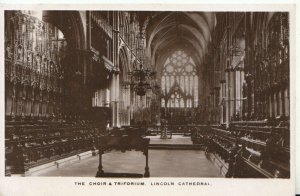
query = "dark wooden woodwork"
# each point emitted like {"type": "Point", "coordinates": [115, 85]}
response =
{"type": "Point", "coordinates": [252, 149]}
{"type": "Point", "coordinates": [122, 143]}
{"type": "Point", "coordinates": [29, 144]}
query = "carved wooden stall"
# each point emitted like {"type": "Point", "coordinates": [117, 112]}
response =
{"type": "Point", "coordinates": [37, 128]}
{"type": "Point", "coordinates": [33, 67]}
{"type": "Point", "coordinates": [29, 144]}
{"type": "Point", "coordinates": [252, 149]}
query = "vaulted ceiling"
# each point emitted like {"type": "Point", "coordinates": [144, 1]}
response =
{"type": "Point", "coordinates": [168, 31]}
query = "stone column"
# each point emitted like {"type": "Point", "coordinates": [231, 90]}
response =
{"type": "Point", "coordinates": [275, 104]}
{"type": "Point", "coordinates": [227, 98]}
{"type": "Point", "coordinates": [115, 98]}
{"type": "Point", "coordinates": [112, 100]}
{"type": "Point", "coordinates": [221, 114]}
{"type": "Point", "coordinates": [287, 102]}
{"type": "Point", "coordinates": [117, 91]}
{"type": "Point", "coordinates": [115, 78]}
{"type": "Point", "coordinates": [280, 103]}
{"type": "Point", "coordinates": [270, 106]}
{"type": "Point", "coordinates": [241, 80]}
{"type": "Point", "coordinates": [13, 102]}
{"type": "Point", "coordinates": [283, 102]}
{"type": "Point", "coordinates": [221, 106]}
{"type": "Point", "coordinates": [232, 93]}
{"type": "Point", "coordinates": [128, 106]}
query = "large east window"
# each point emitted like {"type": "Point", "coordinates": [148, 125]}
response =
{"type": "Point", "coordinates": [179, 82]}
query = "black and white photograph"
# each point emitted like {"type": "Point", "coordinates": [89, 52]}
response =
{"type": "Point", "coordinates": [145, 95]}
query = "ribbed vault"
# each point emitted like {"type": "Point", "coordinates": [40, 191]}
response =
{"type": "Point", "coordinates": [188, 30]}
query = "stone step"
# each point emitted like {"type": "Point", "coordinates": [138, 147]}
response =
{"type": "Point", "coordinates": [175, 146]}
{"type": "Point", "coordinates": [59, 163]}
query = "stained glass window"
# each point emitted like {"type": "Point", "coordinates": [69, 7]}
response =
{"type": "Point", "coordinates": [179, 82]}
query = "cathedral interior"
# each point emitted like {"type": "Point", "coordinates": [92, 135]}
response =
{"type": "Point", "coordinates": [199, 94]}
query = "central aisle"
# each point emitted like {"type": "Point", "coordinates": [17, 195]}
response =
{"type": "Point", "coordinates": [162, 163]}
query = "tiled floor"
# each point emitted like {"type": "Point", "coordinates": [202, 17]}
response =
{"type": "Point", "coordinates": [162, 163]}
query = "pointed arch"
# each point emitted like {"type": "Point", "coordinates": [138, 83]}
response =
{"type": "Point", "coordinates": [179, 81]}
{"type": "Point", "coordinates": [124, 93]}
{"type": "Point", "coordinates": [73, 31]}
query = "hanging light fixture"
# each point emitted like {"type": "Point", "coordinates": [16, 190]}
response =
{"type": "Point", "coordinates": [141, 80]}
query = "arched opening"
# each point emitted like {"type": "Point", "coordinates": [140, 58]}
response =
{"type": "Point", "coordinates": [124, 91]}
{"type": "Point", "coordinates": [179, 87]}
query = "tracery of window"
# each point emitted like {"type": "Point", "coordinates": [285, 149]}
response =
{"type": "Point", "coordinates": [179, 82]}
